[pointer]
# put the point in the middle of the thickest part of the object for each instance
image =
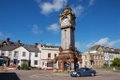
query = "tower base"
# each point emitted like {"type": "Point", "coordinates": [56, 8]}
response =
{"type": "Point", "coordinates": [67, 60]}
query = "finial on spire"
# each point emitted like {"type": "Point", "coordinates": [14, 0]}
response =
{"type": "Point", "coordinates": [67, 8]}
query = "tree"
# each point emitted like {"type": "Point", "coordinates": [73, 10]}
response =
{"type": "Point", "coordinates": [116, 62]}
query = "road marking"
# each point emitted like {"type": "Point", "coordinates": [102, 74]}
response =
{"type": "Point", "coordinates": [34, 76]}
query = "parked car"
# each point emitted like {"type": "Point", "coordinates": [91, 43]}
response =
{"type": "Point", "coordinates": [83, 72]}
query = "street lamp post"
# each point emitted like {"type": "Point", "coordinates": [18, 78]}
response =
{"type": "Point", "coordinates": [109, 60]}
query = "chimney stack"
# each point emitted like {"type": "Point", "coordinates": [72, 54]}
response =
{"type": "Point", "coordinates": [8, 41]}
{"type": "Point", "coordinates": [36, 45]}
{"type": "Point", "coordinates": [19, 41]}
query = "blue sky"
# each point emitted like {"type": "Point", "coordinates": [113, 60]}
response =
{"type": "Point", "coordinates": [31, 21]}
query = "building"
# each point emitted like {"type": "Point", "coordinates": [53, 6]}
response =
{"type": "Point", "coordinates": [6, 51]}
{"type": "Point", "coordinates": [19, 54]}
{"type": "Point", "coordinates": [99, 55]}
{"type": "Point", "coordinates": [94, 57]}
{"type": "Point", "coordinates": [48, 53]}
{"type": "Point", "coordinates": [110, 54]}
{"type": "Point", "coordinates": [37, 55]}
{"type": "Point", "coordinates": [28, 54]}
{"type": "Point", "coordinates": [68, 56]}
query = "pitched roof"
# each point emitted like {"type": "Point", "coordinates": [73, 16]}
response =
{"type": "Point", "coordinates": [111, 50]}
{"type": "Point", "coordinates": [106, 49]}
{"type": "Point", "coordinates": [95, 47]}
{"type": "Point", "coordinates": [31, 48]}
{"type": "Point", "coordinates": [49, 46]}
{"type": "Point", "coordinates": [8, 48]}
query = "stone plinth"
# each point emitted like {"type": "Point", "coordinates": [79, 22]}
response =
{"type": "Point", "coordinates": [69, 58]}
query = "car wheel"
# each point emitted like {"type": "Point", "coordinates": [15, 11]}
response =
{"type": "Point", "coordinates": [92, 74]}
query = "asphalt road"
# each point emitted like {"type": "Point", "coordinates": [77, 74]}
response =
{"type": "Point", "coordinates": [49, 75]}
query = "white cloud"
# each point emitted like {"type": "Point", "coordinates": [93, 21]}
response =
{"type": "Point", "coordinates": [105, 42]}
{"type": "Point", "coordinates": [48, 7]}
{"type": "Point", "coordinates": [35, 29]}
{"type": "Point", "coordinates": [91, 2]}
{"type": "Point", "coordinates": [54, 28]}
{"type": "Point", "coordinates": [90, 44]}
{"type": "Point", "coordinates": [77, 45]}
{"type": "Point", "coordinates": [114, 43]}
{"type": "Point", "coordinates": [78, 10]}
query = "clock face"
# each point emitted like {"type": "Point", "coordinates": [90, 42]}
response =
{"type": "Point", "coordinates": [66, 22]}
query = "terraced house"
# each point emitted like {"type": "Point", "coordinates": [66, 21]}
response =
{"type": "Point", "coordinates": [99, 55]}
{"type": "Point", "coordinates": [37, 55]}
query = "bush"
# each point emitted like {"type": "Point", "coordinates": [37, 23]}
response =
{"type": "Point", "coordinates": [24, 66]}
{"type": "Point", "coordinates": [116, 63]}
{"type": "Point", "coordinates": [105, 65]}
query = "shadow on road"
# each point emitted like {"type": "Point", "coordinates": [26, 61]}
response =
{"type": "Point", "coordinates": [9, 76]}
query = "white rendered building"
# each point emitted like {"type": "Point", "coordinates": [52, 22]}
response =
{"type": "Point", "coordinates": [48, 53]}
{"type": "Point", "coordinates": [40, 56]}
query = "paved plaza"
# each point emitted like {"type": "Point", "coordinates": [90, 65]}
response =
{"type": "Point", "coordinates": [49, 75]}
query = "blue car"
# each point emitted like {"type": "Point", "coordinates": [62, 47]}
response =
{"type": "Point", "coordinates": [83, 72]}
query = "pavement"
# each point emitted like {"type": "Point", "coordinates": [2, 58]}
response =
{"type": "Point", "coordinates": [49, 75]}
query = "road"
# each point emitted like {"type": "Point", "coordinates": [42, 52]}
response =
{"type": "Point", "coordinates": [49, 75]}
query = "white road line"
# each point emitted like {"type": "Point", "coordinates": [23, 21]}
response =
{"type": "Point", "coordinates": [34, 76]}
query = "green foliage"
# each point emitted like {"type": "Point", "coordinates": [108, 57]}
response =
{"type": "Point", "coordinates": [105, 66]}
{"type": "Point", "coordinates": [24, 66]}
{"type": "Point", "coordinates": [116, 62]}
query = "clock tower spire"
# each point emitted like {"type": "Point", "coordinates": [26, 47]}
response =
{"type": "Point", "coordinates": [68, 56]}
{"type": "Point", "coordinates": [67, 22]}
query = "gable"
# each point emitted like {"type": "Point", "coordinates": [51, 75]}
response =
{"type": "Point", "coordinates": [100, 49]}
{"type": "Point", "coordinates": [21, 49]}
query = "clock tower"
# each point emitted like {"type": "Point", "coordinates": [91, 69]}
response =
{"type": "Point", "coordinates": [67, 22]}
{"type": "Point", "coordinates": [69, 55]}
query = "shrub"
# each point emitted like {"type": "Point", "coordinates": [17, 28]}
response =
{"type": "Point", "coordinates": [24, 66]}
{"type": "Point", "coordinates": [116, 63]}
{"type": "Point", "coordinates": [105, 65]}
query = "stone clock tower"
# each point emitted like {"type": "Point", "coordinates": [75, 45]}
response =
{"type": "Point", "coordinates": [68, 56]}
{"type": "Point", "coordinates": [67, 22]}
